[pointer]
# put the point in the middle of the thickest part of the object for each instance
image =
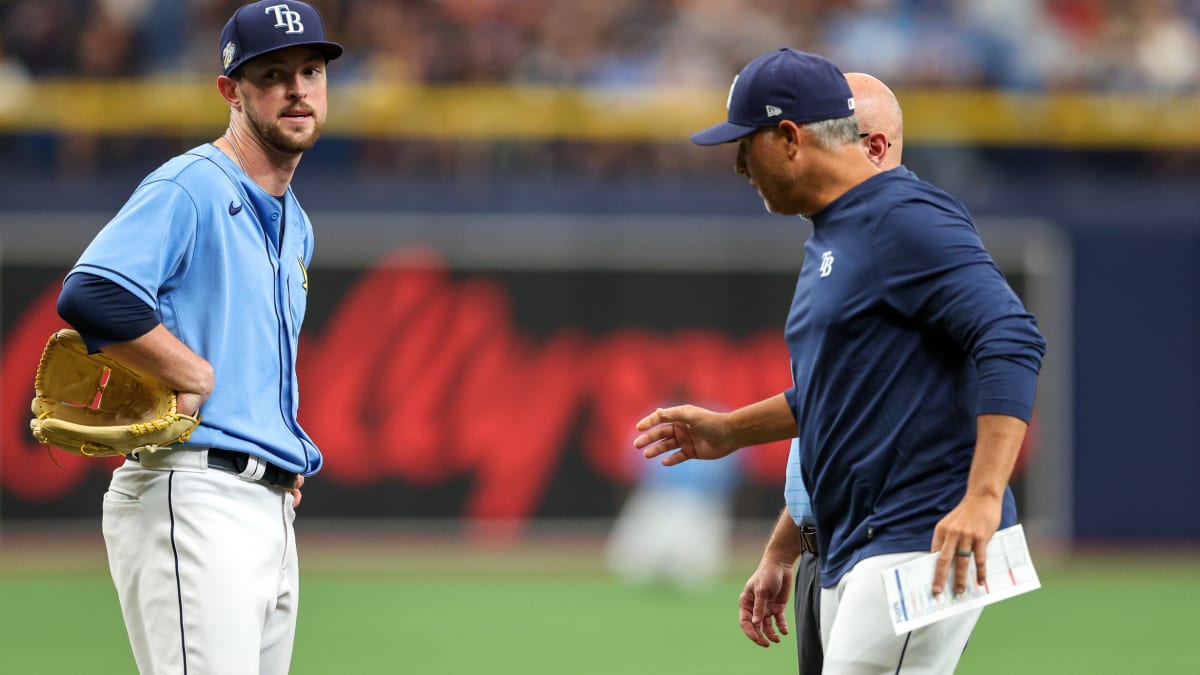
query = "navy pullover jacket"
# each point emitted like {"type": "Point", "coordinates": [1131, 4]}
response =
{"type": "Point", "coordinates": [902, 330]}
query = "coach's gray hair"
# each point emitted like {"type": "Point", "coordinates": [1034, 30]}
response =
{"type": "Point", "coordinates": [832, 133]}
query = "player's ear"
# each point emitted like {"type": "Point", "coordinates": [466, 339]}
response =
{"type": "Point", "coordinates": [229, 91]}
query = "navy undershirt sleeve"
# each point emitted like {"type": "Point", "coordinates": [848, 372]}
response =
{"type": "Point", "coordinates": [790, 396]}
{"type": "Point", "coordinates": [103, 312]}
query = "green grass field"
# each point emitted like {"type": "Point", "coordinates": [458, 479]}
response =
{"type": "Point", "coordinates": [388, 612]}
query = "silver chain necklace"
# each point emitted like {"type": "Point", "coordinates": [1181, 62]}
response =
{"type": "Point", "coordinates": [241, 164]}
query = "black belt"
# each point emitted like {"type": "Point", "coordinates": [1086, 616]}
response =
{"type": "Point", "coordinates": [808, 539]}
{"type": "Point", "coordinates": [239, 463]}
{"type": "Point", "coordinates": [236, 462]}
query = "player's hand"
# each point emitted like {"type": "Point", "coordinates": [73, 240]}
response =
{"type": "Point", "coordinates": [188, 403]}
{"type": "Point", "coordinates": [968, 527]}
{"type": "Point", "coordinates": [296, 496]}
{"type": "Point", "coordinates": [762, 606]}
{"type": "Point", "coordinates": [695, 432]}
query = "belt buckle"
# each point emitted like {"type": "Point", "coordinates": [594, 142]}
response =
{"type": "Point", "coordinates": [255, 469]}
{"type": "Point", "coordinates": [808, 538]}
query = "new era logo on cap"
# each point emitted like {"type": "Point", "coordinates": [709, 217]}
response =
{"type": "Point", "coordinates": [785, 84]}
{"type": "Point", "coordinates": [268, 25]}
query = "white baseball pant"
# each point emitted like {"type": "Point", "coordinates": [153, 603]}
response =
{"type": "Point", "coordinates": [205, 567]}
{"type": "Point", "coordinates": [856, 628]}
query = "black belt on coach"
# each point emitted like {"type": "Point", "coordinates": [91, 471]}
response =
{"type": "Point", "coordinates": [237, 462]}
{"type": "Point", "coordinates": [808, 539]}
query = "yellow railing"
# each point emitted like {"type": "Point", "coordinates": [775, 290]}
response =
{"type": "Point", "coordinates": [382, 110]}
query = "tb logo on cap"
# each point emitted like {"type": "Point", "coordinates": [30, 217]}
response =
{"type": "Point", "coordinates": [286, 18]}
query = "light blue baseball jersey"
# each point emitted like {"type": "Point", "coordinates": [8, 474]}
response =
{"type": "Point", "coordinates": [799, 505]}
{"type": "Point", "coordinates": [224, 265]}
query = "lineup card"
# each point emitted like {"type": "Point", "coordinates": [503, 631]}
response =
{"type": "Point", "coordinates": [909, 586]}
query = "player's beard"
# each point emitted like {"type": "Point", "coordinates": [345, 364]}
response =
{"type": "Point", "coordinates": [274, 137]}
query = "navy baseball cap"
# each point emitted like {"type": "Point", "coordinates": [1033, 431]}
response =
{"type": "Point", "coordinates": [268, 25]}
{"type": "Point", "coordinates": [781, 85]}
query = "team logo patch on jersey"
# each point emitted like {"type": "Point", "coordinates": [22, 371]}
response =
{"type": "Point", "coordinates": [234, 208]}
{"type": "Point", "coordinates": [304, 272]}
{"type": "Point", "coordinates": [826, 263]}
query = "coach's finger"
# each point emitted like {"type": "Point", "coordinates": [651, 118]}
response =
{"type": "Point", "coordinates": [746, 619]}
{"type": "Point", "coordinates": [659, 416]}
{"type": "Point", "coordinates": [760, 611]}
{"type": "Point", "coordinates": [981, 563]}
{"type": "Point", "coordinates": [654, 434]}
{"type": "Point", "coordinates": [941, 570]}
{"type": "Point", "coordinates": [662, 434]}
{"type": "Point", "coordinates": [962, 567]}
{"type": "Point", "coordinates": [653, 447]}
{"type": "Point", "coordinates": [768, 628]}
{"type": "Point", "coordinates": [752, 631]}
{"type": "Point", "coordinates": [770, 623]}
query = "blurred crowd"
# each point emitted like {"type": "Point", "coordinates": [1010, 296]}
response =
{"type": "Point", "coordinates": [1122, 46]}
{"type": "Point", "coordinates": [1042, 45]}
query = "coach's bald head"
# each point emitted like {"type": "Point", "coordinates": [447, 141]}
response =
{"type": "Point", "coordinates": [879, 115]}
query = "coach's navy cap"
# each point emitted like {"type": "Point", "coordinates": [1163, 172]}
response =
{"type": "Point", "coordinates": [265, 26]}
{"type": "Point", "coordinates": [781, 85]}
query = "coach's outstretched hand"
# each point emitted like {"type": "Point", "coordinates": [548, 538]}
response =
{"type": "Point", "coordinates": [695, 432]}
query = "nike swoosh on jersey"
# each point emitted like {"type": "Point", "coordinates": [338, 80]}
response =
{"type": "Point", "coordinates": [234, 209]}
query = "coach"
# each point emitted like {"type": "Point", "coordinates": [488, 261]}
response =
{"type": "Point", "coordinates": [914, 366]}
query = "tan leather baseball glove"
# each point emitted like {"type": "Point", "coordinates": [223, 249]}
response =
{"type": "Point", "coordinates": [91, 405]}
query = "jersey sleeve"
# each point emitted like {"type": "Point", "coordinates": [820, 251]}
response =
{"type": "Point", "coordinates": [146, 243]}
{"type": "Point", "coordinates": [103, 312]}
{"type": "Point", "coordinates": [936, 272]}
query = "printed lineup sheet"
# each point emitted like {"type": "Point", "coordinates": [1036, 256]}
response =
{"type": "Point", "coordinates": [1010, 572]}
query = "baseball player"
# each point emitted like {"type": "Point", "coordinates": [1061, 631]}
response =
{"type": "Point", "coordinates": [914, 367]}
{"type": "Point", "coordinates": [200, 281]}
{"type": "Point", "coordinates": [793, 541]}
